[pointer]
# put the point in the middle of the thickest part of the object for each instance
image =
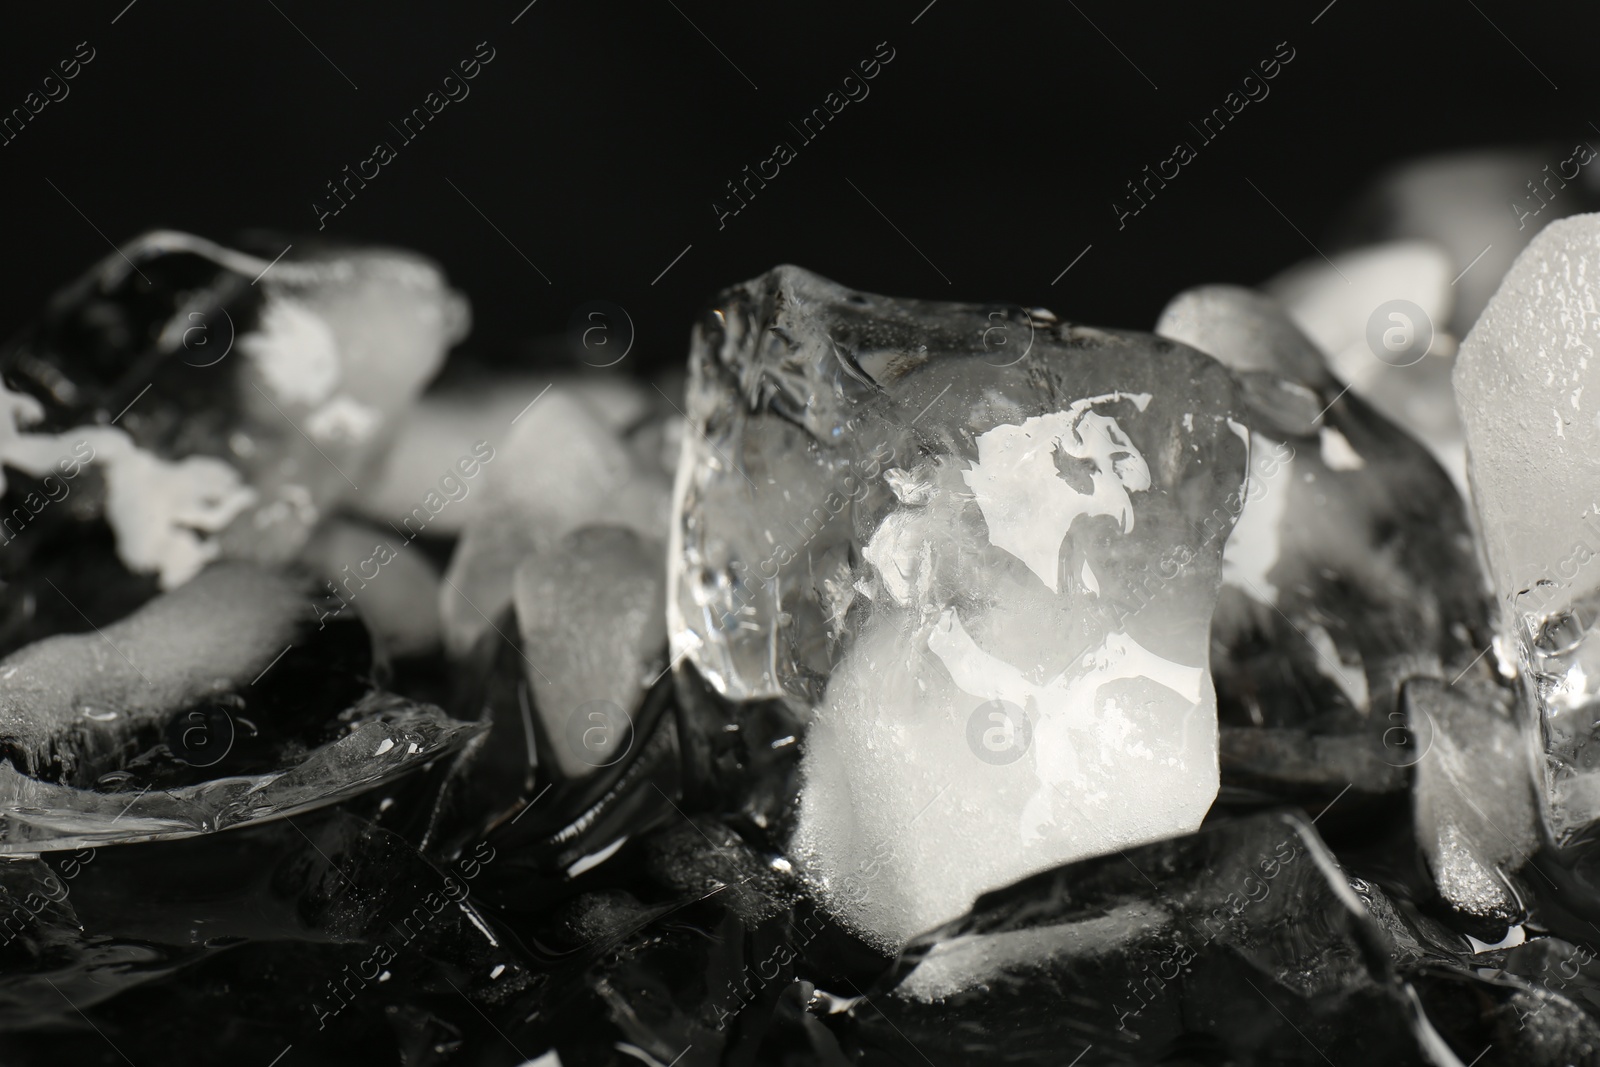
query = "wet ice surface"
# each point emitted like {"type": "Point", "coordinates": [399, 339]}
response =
{"type": "Point", "coordinates": [1474, 810]}
{"type": "Point", "coordinates": [302, 932]}
{"type": "Point", "coordinates": [1351, 570]}
{"type": "Point", "coordinates": [989, 586]}
{"type": "Point", "coordinates": [197, 713]}
{"type": "Point", "coordinates": [591, 617]}
{"type": "Point", "coordinates": [1532, 433]}
{"type": "Point", "coordinates": [382, 738]}
{"type": "Point", "coordinates": [1244, 942]}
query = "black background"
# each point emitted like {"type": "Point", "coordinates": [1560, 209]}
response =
{"type": "Point", "coordinates": [601, 133]}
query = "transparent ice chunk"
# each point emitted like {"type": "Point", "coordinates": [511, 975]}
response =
{"type": "Point", "coordinates": [986, 581]}
{"type": "Point", "coordinates": [1243, 939]}
{"type": "Point", "coordinates": [386, 737]}
{"type": "Point", "coordinates": [1351, 569]}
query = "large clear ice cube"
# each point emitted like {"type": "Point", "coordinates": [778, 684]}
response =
{"type": "Point", "coordinates": [979, 549]}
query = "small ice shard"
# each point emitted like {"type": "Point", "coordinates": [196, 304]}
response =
{"type": "Point", "coordinates": [1528, 398]}
{"type": "Point", "coordinates": [248, 393]}
{"type": "Point", "coordinates": [1382, 315]}
{"type": "Point", "coordinates": [590, 613]}
{"type": "Point", "coordinates": [698, 965]}
{"type": "Point", "coordinates": [890, 534]}
{"type": "Point", "coordinates": [561, 467]}
{"type": "Point", "coordinates": [245, 694]}
{"type": "Point", "coordinates": [1351, 567]}
{"type": "Point", "coordinates": [1472, 796]}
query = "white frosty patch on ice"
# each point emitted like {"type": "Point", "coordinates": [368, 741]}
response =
{"type": "Point", "coordinates": [1090, 582]}
{"type": "Point", "coordinates": [159, 509]}
{"type": "Point", "coordinates": [963, 962]}
{"type": "Point", "coordinates": [1063, 706]}
{"type": "Point", "coordinates": [1252, 548]}
{"type": "Point", "coordinates": [1028, 506]}
{"type": "Point", "coordinates": [901, 555]}
{"type": "Point", "coordinates": [343, 418]}
{"type": "Point", "coordinates": [1338, 453]}
{"type": "Point", "coordinates": [1069, 694]}
{"type": "Point", "coordinates": [295, 351]}
{"type": "Point", "coordinates": [908, 489]}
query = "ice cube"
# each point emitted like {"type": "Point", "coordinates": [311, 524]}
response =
{"type": "Point", "coordinates": [1350, 570]}
{"type": "Point", "coordinates": [1534, 436]}
{"type": "Point", "coordinates": [592, 620]}
{"type": "Point", "coordinates": [561, 467]}
{"type": "Point", "coordinates": [1472, 797]}
{"type": "Point", "coordinates": [384, 737]}
{"type": "Point", "coordinates": [70, 698]}
{"type": "Point", "coordinates": [245, 694]}
{"type": "Point", "coordinates": [1002, 646]}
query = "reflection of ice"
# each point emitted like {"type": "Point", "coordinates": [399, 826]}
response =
{"type": "Point", "coordinates": [1067, 702]}
{"type": "Point", "coordinates": [1026, 503]}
